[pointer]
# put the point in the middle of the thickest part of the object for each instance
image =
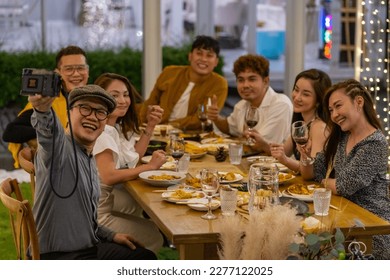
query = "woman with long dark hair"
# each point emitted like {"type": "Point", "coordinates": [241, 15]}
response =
{"type": "Point", "coordinates": [355, 159]}
{"type": "Point", "coordinates": [307, 98]}
{"type": "Point", "coordinates": [117, 152]}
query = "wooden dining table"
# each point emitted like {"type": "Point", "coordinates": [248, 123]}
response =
{"type": "Point", "coordinates": [196, 238]}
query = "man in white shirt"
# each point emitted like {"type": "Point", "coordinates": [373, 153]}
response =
{"type": "Point", "coordinates": [275, 110]}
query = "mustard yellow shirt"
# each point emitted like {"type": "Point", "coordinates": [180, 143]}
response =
{"type": "Point", "coordinates": [171, 84]}
{"type": "Point", "coordinates": [59, 107]}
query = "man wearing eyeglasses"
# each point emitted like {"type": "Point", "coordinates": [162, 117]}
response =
{"type": "Point", "coordinates": [71, 64]}
{"type": "Point", "coordinates": [67, 184]}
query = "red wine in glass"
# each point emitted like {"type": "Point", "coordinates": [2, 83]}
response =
{"type": "Point", "coordinates": [177, 154]}
{"type": "Point", "coordinates": [300, 141]}
{"type": "Point", "coordinates": [300, 134]}
{"type": "Point", "coordinates": [251, 123]}
{"type": "Point", "coordinates": [176, 149]}
{"type": "Point", "coordinates": [251, 120]}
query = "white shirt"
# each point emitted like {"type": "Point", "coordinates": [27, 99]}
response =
{"type": "Point", "coordinates": [123, 150]}
{"type": "Point", "coordinates": [180, 109]}
{"type": "Point", "coordinates": [275, 114]}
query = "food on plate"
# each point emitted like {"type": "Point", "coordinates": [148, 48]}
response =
{"type": "Point", "coordinates": [300, 189]}
{"type": "Point", "coordinates": [229, 176]}
{"type": "Point", "coordinates": [182, 194]}
{"type": "Point", "coordinates": [193, 149]}
{"type": "Point", "coordinates": [285, 177]}
{"type": "Point", "coordinates": [163, 176]}
{"type": "Point", "coordinates": [242, 199]}
{"type": "Point", "coordinates": [194, 182]}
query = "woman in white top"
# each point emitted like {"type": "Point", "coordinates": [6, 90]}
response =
{"type": "Point", "coordinates": [117, 152]}
{"type": "Point", "coordinates": [307, 96]}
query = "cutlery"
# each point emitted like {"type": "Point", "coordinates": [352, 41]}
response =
{"type": "Point", "coordinates": [334, 207]}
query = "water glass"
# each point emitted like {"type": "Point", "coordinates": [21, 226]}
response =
{"type": "Point", "coordinates": [228, 201]}
{"type": "Point", "coordinates": [263, 185]}
{"type": "Point", "coordinates": [321, 201]}
{"type": "Point", "coordinates": [235, 153]}
{"type": "Point", "coordinates": [184, 163]}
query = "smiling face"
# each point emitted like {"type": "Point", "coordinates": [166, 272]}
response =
{"type": "Point", "coordinates": [203, 61]}
{"type": "Point", "coordinates": [344, 111]}
{"type": "Point", "coordinates": [86, 129]}
{"type": "Point", "coordinates": [304, 97]}
{"type": "Point", "coordinates": [120, 92]}
{"type": "Point", "coordinates": [252, 87]}
{"type": "Point", "coordinates": [78, 77]}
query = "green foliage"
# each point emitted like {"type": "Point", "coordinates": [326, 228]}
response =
{"type": "Point", "coordinates": [321, 246]}
{"type": "Point", "coordinates": [11, 66]}
{"type": "Point", "coordinates": [127, 62]}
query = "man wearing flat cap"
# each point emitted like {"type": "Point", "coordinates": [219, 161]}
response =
{"type": "Point", "coordinates": [67, 184]}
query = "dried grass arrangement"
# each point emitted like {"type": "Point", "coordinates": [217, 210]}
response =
{"type": "Point", "coordinates": [265, 236]}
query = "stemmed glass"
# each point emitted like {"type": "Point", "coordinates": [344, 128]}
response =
{"type": "Point", "coordinates": [202, 115]}
{"type": "Point", "coordinates": [251, 120]}
{"type": "Point", "coordinates": [210, 184]}
{"type": "Point", "coordinates": [176, 149]}
{"type": "Point", "coordinates": [300, 134]}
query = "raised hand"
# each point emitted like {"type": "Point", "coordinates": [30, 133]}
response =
{"type": "Point", "coordinates": [158, 159]}
{"type": "Point", "coordinates": [212, 109]}
{"type": "Point", "coordinates": [40, 102]}
{"type": "Point", "coordinates": [154, 115]}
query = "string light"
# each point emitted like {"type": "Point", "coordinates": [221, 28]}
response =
{"type": "Point", "coordinates": [375, 56]}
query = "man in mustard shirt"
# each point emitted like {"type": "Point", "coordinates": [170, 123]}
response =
{"type": "Point", "coordinates": [179, 89]}
{"type": "Point", "coordinates": [71, 64]}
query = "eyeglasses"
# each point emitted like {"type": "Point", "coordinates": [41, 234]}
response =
{"type": "Point", "coordinates": [69, 69]}
{"type": "Point", "coordinates": [86, 110]}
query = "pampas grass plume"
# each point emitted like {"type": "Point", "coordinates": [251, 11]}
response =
{"type": "Point", "coordinates": [268, 233]}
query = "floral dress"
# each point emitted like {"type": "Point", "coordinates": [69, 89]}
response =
{"type": "Point", "coordinates": [361, 177]}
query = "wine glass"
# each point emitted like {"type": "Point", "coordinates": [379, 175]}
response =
{"type": "Point", "coordinates": [251, 119]}
{"type": "Point", "coordinates": [202, 115]}
{"type": "Point", "coordinates": [210, 184]}
{"type": "Point", "coordinates": [176, 149]}
{"type": "Point", "coordinates": [300, 135]}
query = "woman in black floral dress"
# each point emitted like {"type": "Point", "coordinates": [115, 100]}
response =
{"type": "Point", "coordinates": [355, 159]}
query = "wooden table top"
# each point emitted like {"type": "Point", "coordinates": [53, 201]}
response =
{"type": "Point", "coordinates": [181, 224]}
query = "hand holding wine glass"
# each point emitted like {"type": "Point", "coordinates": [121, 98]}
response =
{"type": "Point", "coordinates": [300, 134]}
{"type": "Point", "coordinates": [176, 149]}
{"type": "Point", "coordinates": [251, 120]}
{"type": "Point", "coordinates": [210, 185]}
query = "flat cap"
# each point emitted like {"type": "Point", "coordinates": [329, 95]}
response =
{"type": "Point", "coordinates": [92, 91]}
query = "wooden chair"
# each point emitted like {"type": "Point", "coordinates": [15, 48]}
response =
{"type": "Point", "coordinates": [21, 220]}
{"type": "Point", "coordinates": [26, 161]}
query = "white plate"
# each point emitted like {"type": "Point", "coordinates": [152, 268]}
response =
{"type": "Point", "coordinates": [170, 164]}
{"type": "Point", "coordinates": [162, 183]}
{"type": "Point", "coordinates": [217, 141]}
{"type": "Point", "coordinates": [200, 204]}
{"type": "Point", "coordinates": [181, 186]}
{"type": "Point", "coordinates": [168, 196]}
{"type": "Point", "coordinates": [197, 145]}
{"type": "Point", "coordinates": [212, 148]}
{"type": "Point", "coordinates": [254, 159]}
{"type": "Point", "coordinates": [307, 198]}
{"type": "Point", "coordinates": [239, 177]}
{"type": "Point", "coordinates": [260, 158]}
